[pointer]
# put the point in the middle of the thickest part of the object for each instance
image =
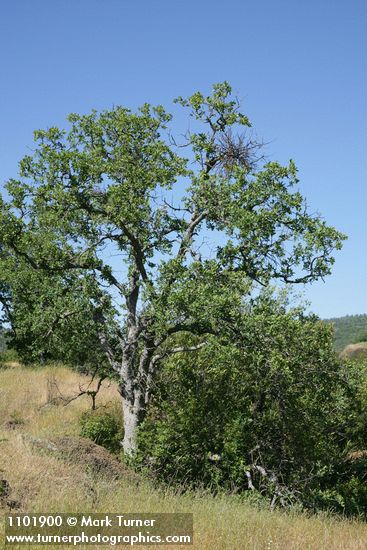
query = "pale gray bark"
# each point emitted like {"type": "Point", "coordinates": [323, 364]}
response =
{"type": "Point", "coordinates": [133, 413]}
{"type": "Point", "coordinates": [141, 351]}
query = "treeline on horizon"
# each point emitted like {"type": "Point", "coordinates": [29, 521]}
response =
{"type": "Point", "coordinates": [349, 329]}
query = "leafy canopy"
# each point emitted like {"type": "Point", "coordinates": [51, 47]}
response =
{"type": "Point", "coordinates": [104, 188]}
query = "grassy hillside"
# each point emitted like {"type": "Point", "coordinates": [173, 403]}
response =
{"type": "Point", "coordinates": [349, 329]}
{"type": "Point", "coordinates": [30, 411]}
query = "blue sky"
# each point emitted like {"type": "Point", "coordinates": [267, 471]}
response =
{"type": "Point", "coordinates": [299, 68]}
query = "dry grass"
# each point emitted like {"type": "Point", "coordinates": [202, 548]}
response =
{"type": "Point", "coordinates": [355, 351]}
{"type": "Point", "coordinates": [45, 483]}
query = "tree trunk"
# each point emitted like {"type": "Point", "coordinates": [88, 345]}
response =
{"type": "Point", "coordinates": [133, 409]}
{"type": "Point", "coordinates": [134, 389]}
{"type": "Point", "coordinates": [130, 427]}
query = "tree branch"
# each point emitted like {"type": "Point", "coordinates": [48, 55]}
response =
{"type": "Point", "coordinates": [179, 349]}
{"type": "Point", "coordinates": [187, 237]}
{"type": "Point", "coordinates": [57, 320]}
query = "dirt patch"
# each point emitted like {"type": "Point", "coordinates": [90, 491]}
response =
{"type": "Point", "coordinates": [81, 451]}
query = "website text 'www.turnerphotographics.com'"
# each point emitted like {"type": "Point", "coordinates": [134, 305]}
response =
{"type": "Point", "coordinates": [103, 529]}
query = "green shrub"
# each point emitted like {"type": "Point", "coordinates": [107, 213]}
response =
{"type": "Point", "coordinates": [8, 356]}
{"type": "Point", "coordinates": [276, 410]}
{"type": "Point", "coordinates": [104, 428]}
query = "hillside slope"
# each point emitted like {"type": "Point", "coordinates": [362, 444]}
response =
{"type": "Point", "coordinates": [348, 330]}
{"type": "Point", "coordinates": [39, 481]}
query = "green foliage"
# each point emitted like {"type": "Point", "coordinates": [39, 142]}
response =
{"type": "Point", "coordinates": [361, 336]}
{"type": "Point", "coordinates": [104, 428]}
{"type": "Point", "coordinates": [97, 184]}
{"type": "Point", "coordinates": [263, 402]}
{"type": "Point", "coordinates": [103, 188]}
{"type": "Point", "coordinates": [276, 397]}
{"type": "Point", "coordinates": [8, 356]}
{"type": "Point", "coordinates": [54, 317]}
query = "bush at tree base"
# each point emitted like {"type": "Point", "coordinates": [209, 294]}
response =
{"type": "Point", "coordinates": [102, 427]}
{"type": "Point", "coordinates": [274, 411]}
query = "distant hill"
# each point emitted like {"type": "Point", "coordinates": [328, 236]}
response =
{"type": "Point", "coordinates": [349, 329]}
{"type": "Point", "coordinates": [355, 351]}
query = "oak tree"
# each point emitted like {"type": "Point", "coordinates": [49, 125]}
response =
{"type": "Point", "coordinates": [173, 233]}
